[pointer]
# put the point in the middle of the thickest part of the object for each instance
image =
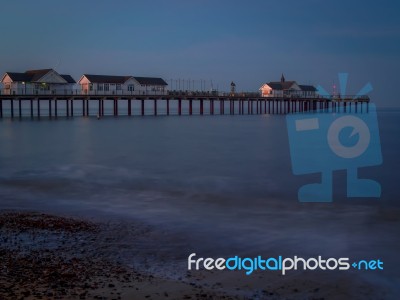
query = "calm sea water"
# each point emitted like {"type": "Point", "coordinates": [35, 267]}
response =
{"type": "Point", "coordinates": [222, 182]}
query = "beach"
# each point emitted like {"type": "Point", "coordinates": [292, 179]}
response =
{"type": "Point", "coordinates": [47, 256]}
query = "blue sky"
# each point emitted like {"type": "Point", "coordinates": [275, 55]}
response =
{"type": "Point", "coordinates": [249, 42]}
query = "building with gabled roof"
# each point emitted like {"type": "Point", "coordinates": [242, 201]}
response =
{"type": "Point", "coordinates": [285, 88]}
{"type": "Point", "coordinates": [121, 85]}
{"type": "Point", "coordinates": [33, 82]}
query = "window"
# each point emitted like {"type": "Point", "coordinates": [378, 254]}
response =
{"type": "Point", "coordinates": [100, 86]}
{"type": "Point", "coordinates": [131, 88]}
{"type": "Point", "coordinates": [106, 87]}
{"type": "Point", "coordinates": [118, 87]}
{"type": "Point", "coordinates": [90, 87]}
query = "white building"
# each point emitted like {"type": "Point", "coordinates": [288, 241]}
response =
{"type": "Point", "coordinates": [37, 82]}
{"type": "Point", "coordinates": [121, 85]}
{"type": "Point", "coordinates": [285, 88]}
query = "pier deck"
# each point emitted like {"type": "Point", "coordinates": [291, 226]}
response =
{"type": "Point", "coordinates": [173, 104]}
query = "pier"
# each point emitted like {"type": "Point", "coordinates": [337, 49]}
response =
{"type": "Point", "coordinates": [172, 103]}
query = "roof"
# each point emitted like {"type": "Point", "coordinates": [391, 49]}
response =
{"type": "Point", "coordinates": [19, 76]}
{"type": "Point", "coordinates": [150, 80]}
{"type": "Point", "coordinates": [106, 78]}
{"type": "Point", "coordinates": [278, 85]}
{"type": "Point", "coordinates": [307, 88]}
{"type": "Point", "coordinates": [68, 78]}
{"type": "Point", "coordinates": [35, 75]}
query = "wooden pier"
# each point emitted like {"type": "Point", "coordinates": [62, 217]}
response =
{"type": "Point", "coordinates": [53, 106]}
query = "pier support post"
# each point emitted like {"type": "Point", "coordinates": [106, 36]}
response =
{"type": "Point", "coordinates": [211, 106]}
{"type": "Point", "coordinates": [67, 106]}
{"type": "Point", "coordinates": [201, 107]}
{"type": "Point", "coordinates": [102, 107]}
{"type": "Point", "coordinates": [129, 107]}
{"type": "Point", "coordinates": [55, 108]}
{"type": "Point", "coordinates": [167, 107]}
{"type": "Point", "coordinates": [87, 107]}
{"type": "Point", "coordinates": [142, 107]}
{"type": "Point", "coordinates": [50, 112]}
{"type": "Point", "coordinates": [72, 107]}
{"type": "Point", "coordinates": [83, 108]}
{"type": "Point", "coordinates": [20, 108]}
{"type": "Point", "coordinates": [155, 106]}
{"type": "Point", "coordinates": [38, 107]}
{"type": "Point", "coordinates": [1, 108]}
{"type": "Point", "coordinates": [12, 108]}
{"type": "Point", "coordinates": [179, 107]}
{"type": "Point", "coordinates": [99, 108]}
{"type": "Point", "coordinates": [190, 107]}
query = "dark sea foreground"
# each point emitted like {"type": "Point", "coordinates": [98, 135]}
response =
{"type": "Point", "coordinates": [218, 186]}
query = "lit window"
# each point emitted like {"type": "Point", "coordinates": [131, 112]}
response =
{"type": "Point", "coordinates": [106, 87]}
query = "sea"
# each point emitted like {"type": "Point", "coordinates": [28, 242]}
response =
{"type": "Point", "coordinates": [223, 185]}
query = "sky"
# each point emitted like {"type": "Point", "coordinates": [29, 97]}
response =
{"type": "Point", "coordinates": [248, 42]}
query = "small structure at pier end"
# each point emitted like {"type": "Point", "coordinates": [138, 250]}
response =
{"type": "Point", "coordinates": [37, 82]}
{"type": "Point", "coordinates": [287, 89]}
{"type": "Point", "coordinates": [121, 85]}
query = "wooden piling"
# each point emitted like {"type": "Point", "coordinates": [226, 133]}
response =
{"type": "Point", "coordinates": [38, 107]}
{"type": "Point", "coordinates": [55, 108]}
{"type": "Point", "coordinates": [167, 107]}
{"type": "Point", "coordinates": [20, 108]}
{"type": "Point", "coordinates": [99, 108]}
{"type": "Point", "coordinates": [12, 108]}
